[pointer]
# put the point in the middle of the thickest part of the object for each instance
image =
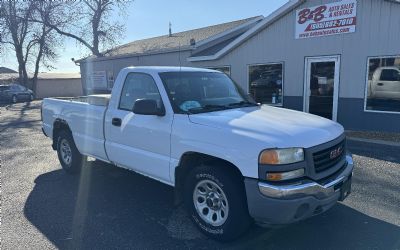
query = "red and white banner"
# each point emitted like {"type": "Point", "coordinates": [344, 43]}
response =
{"type": "Point", "coordinates": [328, 19]}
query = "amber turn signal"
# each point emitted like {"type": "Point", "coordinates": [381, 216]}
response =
{"type": "Point", "coordinates": [285, 175]}
{"type": "Point", "coordinates": [274, 176]}
{"type": "Point", "coordinates": [269, 157]}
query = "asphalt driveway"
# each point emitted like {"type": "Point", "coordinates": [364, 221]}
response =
{"type": "Point", "coordinates": [109, 208]}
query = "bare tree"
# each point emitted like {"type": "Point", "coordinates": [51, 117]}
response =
{"type": "Point", "coordinates": [33, 42]}
{"type": "Point", "coordinates": [89, 22]}
{"type": "Point", "coordinates": [15, 30]}
{"type": "Point", "coordinates": [46, 39]}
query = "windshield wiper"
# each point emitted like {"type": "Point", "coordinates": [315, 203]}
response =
{"type": "Point", "coordinates": [214, 107]}
{"type": "Point", "coordinates": [242, 103]}
{"type": "Point", "coordinates": [208, 107]}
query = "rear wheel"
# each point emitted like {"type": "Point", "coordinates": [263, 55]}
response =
{"type": "Point", "coordinates": [70, 158]}
{"type": "Point", "coordinates": [216, 202]}
{"type": "Point", "coordinates": [31, 97]}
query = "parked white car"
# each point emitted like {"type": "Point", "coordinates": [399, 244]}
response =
{"type": "Point", "coordinates": [385, 83]}
{"type": "Point", "coordinates": [230, 160]}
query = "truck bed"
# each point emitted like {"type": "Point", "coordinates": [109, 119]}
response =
{"type": "Point", "coordinates": [97, 100]}
{"type": "Point", "coordinates": [84, 115]}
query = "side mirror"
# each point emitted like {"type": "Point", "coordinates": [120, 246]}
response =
{"type": "Point", "coordinates": [147, 107]}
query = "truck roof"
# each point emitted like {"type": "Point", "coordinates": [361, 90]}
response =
{"type": "Point", "coordinates": [159, 69]}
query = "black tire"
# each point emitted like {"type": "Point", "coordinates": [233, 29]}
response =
{"type": "Point", "coordinates": [237, 220]}
{"type": "Point", "coordinates": [76, 160]}
{"type": "Point", "coordinates": [14, 99]}
{"type": "Point", "coordinates": [31, 98]}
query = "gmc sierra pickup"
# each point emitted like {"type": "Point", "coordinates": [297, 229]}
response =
{"type": "Point", "coordinates": [231, 160]}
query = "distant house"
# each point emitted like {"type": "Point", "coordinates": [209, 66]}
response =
{"type": "Point", "coordinates": [50, 84]}
{"type": "Point", "coordinates": [58, 84]}
{"type": "Point", "coordinates": [4, 70]}
{"type": "Point", "coordinates": [8, 78]}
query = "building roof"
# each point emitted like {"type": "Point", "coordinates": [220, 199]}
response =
{"type": "Point", "coordinates": [48, 76]}
{"type": "Point", "coordinates": [8, 76]}
{"type": "Point", "coordinates": [42, 76]}
{"type": "Point", "coordinates": [212, 42]}
{"type": "Point", "coordinates": [176, 41]}
{"type": "Point", "coordinates": [4, 70]}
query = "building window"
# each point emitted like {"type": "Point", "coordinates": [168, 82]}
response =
{"type": "Point", "coordinates": [110, 80]}
{"type": "Point", "coordinates": [223, 69]}
{"type": "Point", "coordinates": [383, 84]}
{"type": "Point", "coordinates": [266, 83]}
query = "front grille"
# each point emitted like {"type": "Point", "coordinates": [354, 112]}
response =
{"type": "Point", "coordinates": [328, 158]}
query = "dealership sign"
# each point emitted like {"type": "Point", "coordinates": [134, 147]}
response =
{"type": "Point", "coordinates": [328, 19]}
{"type": "Point", "coordinates": [99, 79]}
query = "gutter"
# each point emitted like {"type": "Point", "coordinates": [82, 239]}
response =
{"type": "Point", "coordinates": [229, 31]}
{"type": "Point", "coordinates": [165, 51]}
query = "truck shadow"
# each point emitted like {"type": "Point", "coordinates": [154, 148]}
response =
{"type": "Point", "coordinates": [111, 208]}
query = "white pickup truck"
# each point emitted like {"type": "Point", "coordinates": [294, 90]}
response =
{"type": "Point", "coordinates": [385, 83]}
{"type": "Point", "coordinates": [230, 160]}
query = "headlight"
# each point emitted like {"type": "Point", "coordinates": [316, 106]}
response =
{"type": "Point", "coordinates": [281, 156]}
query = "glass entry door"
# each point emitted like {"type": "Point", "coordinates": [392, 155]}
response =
{"type": "Point", "coordinates": [322, 86]}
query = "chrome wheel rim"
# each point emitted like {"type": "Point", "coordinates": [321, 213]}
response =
{"type": "Point", "coordinates": [66, 152]}
{"type": "Point", "coordinates": [210, 202]}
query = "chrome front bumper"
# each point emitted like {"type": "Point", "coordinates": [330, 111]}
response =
{"type": "Point", "coordinates": [310, 188]}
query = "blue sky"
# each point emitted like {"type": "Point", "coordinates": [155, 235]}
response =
{"type": "Point", "coordinates": [148, 18]}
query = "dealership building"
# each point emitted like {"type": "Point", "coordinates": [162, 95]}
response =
{"type": "Point", "coordinates": [336, 59]}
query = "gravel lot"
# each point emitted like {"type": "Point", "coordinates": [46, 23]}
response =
{"type": "Point", "coordinates": [109, 208]}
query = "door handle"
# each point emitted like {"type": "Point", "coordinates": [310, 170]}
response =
{"type": "Point", "coordinates": [380, 84]}
{"type": "Point", "coordinates": [116, 122]}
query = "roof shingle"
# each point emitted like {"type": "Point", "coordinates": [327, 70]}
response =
{"type": "Point", "coordinates": [176, 40]}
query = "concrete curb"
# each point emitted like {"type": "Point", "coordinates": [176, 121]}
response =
{"type": "Point", "coordinates": [381, 142]}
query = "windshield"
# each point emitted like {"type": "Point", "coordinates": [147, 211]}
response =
{"type": "Point", "coordinates": [197, 92]}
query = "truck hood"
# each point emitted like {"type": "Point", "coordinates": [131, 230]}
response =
{"type": "Point", "coordinates": [274, 127]}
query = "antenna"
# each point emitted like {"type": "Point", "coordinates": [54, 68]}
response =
{"type": "Point", "coordinates": [179, 48]}
{"type": "Point", "coordinates": [179, 57]}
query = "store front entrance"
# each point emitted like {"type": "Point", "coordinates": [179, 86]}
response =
{"type": "Point", "coordinates": [322, 86]}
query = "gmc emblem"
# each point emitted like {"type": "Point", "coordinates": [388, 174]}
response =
{"type": "Point", "coordinates": [336, 152]}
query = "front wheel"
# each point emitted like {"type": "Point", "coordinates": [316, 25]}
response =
{"type": "Point", "coordinates": [70, 158]}
{"type": "Point", "coordinates": [14, 99]}
{"type": "Point", "coordinates": [216, 202]}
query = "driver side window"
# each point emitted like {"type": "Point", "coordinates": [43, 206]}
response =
{"type": "Point", "coordinates": [390, 75]}
{"type": "Point", "coordinates": [138, 86]}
